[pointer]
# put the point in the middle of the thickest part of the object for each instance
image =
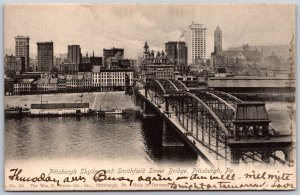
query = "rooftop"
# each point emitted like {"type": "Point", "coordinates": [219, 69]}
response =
{"type": "Point", "coordinates": [53, 80]}
{"type": "Point", "coordinates": [197, 26]}
{"type": "Point", "coordinates": [45, 43]}
{"type": "Point", "coordinates": [26, 81]}
{"type": "Point", "coordinates": [43, 81]}
{"type": "Point", "coordinates": [248, 112]}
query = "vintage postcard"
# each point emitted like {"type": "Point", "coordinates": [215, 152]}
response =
{"type": "Point", "coordinates": [149, 97]}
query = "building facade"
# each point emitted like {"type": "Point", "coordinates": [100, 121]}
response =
{"type": "Point", "coordinates": [171, 51]}
{"type": "Point", "coordinates": [13, 65]}
{"type": "Point", "coordinates": [68, 68]}
{"type": "Point", "coordinates": [61, 84]}
{"type": "Point", "coordinates": [113, 52]}
{"type": "Point", "coordinates": [196, 42]}
{"type": "Point", "coordinates": [155, 66]}
{"type": "Point", "coordinates": [111, 79]}
{"type": "Point", "coordinates": [45, 56]}
{"type": "Point", "coordinates": [177, 52]}
{"type": "Point", "coordinates": [22, 49]}
{"type": "Point", "coordinates": [218, 41]}
{"type": "Point", "coordinates": [23, 87]}
{"type": "Point", "coordinates": [217, 60]}
{"type": "Point", "coordinates": [74, 54]}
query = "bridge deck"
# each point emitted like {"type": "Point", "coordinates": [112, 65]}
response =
{"type": "Point", "coordinates": [211, 157]}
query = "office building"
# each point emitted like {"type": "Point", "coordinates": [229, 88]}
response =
{"type": "Point", "coordinates": [196, 43]}
{"type": "Point", "coordinates": [111, 79]}
{"type": "Point", "coordinates": [74, 54]}
{"type": "Point", "coordinates": [22, 49]}
{"type": "Point", "coordinates": [13, 65]}
{"type": "Point", "coordinates": [217, 61]}
{"type": "Point", "coordinates": [218, 41]}
{"type": "Point", "coordinates": [176, 52]}
{"type": "Point", "coordinates": [68, 68]}
{"type": "Point", "coordinates": [45, 56]}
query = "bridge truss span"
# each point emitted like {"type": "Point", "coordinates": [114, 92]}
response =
{"type": "Point", "coordinates": [200, 122]}
{"type": "Point", "coordinates": [220, 107]}
{"type": "Point", "coordinates": [213, 119]}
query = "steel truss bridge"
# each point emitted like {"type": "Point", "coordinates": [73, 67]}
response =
{"type": "Point", "coordinates": [210, 118]}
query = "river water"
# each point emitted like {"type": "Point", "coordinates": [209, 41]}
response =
{"type": "Point", "coordinates": [110, 138]}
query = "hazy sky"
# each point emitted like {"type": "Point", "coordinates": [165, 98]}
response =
{"type": "Point", "coordinates": [98, 26]}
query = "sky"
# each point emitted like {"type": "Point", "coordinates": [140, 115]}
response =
{"type": "Point", "coordinates": [98, 26]}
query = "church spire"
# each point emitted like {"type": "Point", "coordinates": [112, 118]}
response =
{"type": "Point", "coordinates": [158, 54]}
{"type": "Point", "coordinates": [146, 45]}
{"type": "Point", "coordinates": [146, 51]}
{"type": "Point", "coordinates": [146, 48]}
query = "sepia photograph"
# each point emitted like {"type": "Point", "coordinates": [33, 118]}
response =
{"type": "Point", "coordinates": [131, 97]}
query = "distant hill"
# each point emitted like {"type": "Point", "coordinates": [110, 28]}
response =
{"type": "Point", "coordinates": [279, 50]}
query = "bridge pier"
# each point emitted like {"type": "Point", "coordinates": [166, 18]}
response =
{"type": "Point", "coordinates": [170, 138]}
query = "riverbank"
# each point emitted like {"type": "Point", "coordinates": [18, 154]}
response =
{"type": "Point", "coordinates": [96, 100]}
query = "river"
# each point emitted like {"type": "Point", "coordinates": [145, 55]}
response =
{"type": "Point", "coordinates": [112, 138]}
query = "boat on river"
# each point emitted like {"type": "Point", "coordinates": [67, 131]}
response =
{"type": "Point", "coordinates": [110, 111]}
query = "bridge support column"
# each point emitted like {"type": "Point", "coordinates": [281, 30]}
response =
{"type": "Point", "coordinates": [186, 111]}
{"type": "Point", "coordinates": [166, 106]}
{"type": "Point", "coordinates": [146, 93]}
{"type": "Point", "coordinates": [181, 115]}
{"type": "Point", "coordinates": [235, 156]}
{"type": "Point", "coordinates": [197, 125]}
{"type": "Point", "coordinates": [145, 107]}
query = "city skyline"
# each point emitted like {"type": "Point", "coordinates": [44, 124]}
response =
{"type": "Point", "coordinates": [95, 27]}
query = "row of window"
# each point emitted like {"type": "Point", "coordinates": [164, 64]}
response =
{"type": "Point", "coordinates": [21, 43]}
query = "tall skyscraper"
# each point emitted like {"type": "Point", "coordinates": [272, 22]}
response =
{"type": "Point", "coordinates": [171, 50]}
{"type": "Point", "coordinates": [45, 56]}
{"type": "Point", "coordinates": [196, 42]}
{"type": "Point", "coordinates": [74, 54]}
{"type": "Point", "coordinates": [217, 59]}
{"type": "Point", "coordinates": [218, 41]}
{"type": "Point", "coordinates": [177, 52]}
{"type": "Point", "coordinates": [22, 49]}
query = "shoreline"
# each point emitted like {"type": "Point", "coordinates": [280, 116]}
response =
{"type": "Point", "coordinates": [96, 100]}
